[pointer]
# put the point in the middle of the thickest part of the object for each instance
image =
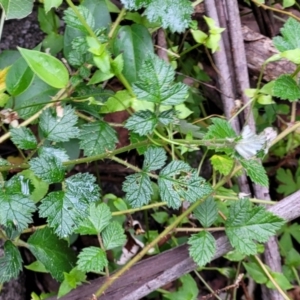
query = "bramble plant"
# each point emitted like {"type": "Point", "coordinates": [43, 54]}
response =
{"type": "Point", "coordinates": [52, 109]}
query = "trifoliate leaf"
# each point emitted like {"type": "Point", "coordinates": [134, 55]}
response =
{"type": "Point", "coordinates": [52, 252]}
{"type": "Point", "coordinates": [255, 171]}
{"type": "Point", "coordinates": [246, 224]}
{"type": "Point", "coordinates": [286, 88]}
{"type": "Point", "coordinates": [113, 236]}
{"type": "Point", "coordinates": [64, 212]}
{"type": "Point", "coordinates": [97, 138]}
{"type": "Point", "coordinates": [138, 189]}
{"type": "Point", "coordinates": [290, 38]}
{"type": "Point", "coordinates": [222, 163]}
{"type": "Point", "coordinates": [155, 158]}
{"type": "Point", "coordinates": [23, 138]}
{"type": "Point", "coordinates": [203, 247]}
{"type": "Point", "coordinates": [48, 167]}
{"type": "Point", "coordinates": [92, 259]}
{"type": "Point", "coordinates": [206, 212]}
{"type": "Point", "coordinates": [83, 186]}
{"type": "Point", "coordinates": [156, 83]}
{"type": "Point", "coordinates": [10, 262]}
{"type": "Point", "coordinates": [73, 21]}
{"type": "Point", "coordinates": [142, 122]}
{"type": "Point", "coordinates": [250, 143]}
{"type": "Point", "coordinates": [98, 218]}
{"type": "Point", "coordinates": [16, 205]}
{"type": "Point", "coordinates": [173, 14]}
{"type": "Point", "coordinates": [59, 128]}
{"type": "Point", "coordinates": [179, 181]}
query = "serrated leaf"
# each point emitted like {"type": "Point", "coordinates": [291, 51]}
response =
{"type": "Point", "coordinates": [48, 167]}
{"type": "Point", "coordinates": [138, 189]}
{"type": "Point", "coordinates": [73, 21]}
{"type": "Point", "coordinates": [118, 102]}
{"type": "Point", "coordinates": [47, 67]}
{"type": "Point", "coordinates": [220, 129]}
{"type": "Point", "coordinates": [64, 212]}
{"type": "Point", "coordinates": [175, 15]}
{"type": "Point", "coordinates": [286, 88]}
{"type": "Point", "coordinates": [23, 138]}
{"type": "Point", "coordinates": [255, 171]}
{"type": "Point", "coordinates": [287, 185]}
{"type": "Point", "coordinates": [222, 163]}
{"type": "Point", "coordinates": [52, 252]}
{"type": "Point", "coordinates": [206, 212]}
{"type": "Point", "coordinates": [179, 181]}
{"type": "Point", "coordinates": [113, 236]}
{"type": "Point", "coordinates": [166, 117]}
{"type": "Point", "coordinates": [155, 158]}
{"type": "Point", "coordinates": [16, 9]}
{"type": "Point", "coordinates": [203, 247]}
{"type": "Point", "coordinates": [92, 259]}
{"type": "Point", "coordinates": [16, 205]}
{"type": "Point", "coordinates": [142, 122]}
{"type": "Point", "coordinates": [290, 36]}
{"type": "Point", "coordinates": [156, 83]}
{"type": "Point", "coordinates": [246, 224]}
{"type": "Point", "coordinates": [98, 218]}
{"type": "Point", "coordinates": [10, 262]}
{"type": "Point", "coordinates": [84, 186]}
{"type": "Point", "coordinates": [97, 138]}
{"type": "Point", "coordinates": [59, 128]}
{"type": "Point", "coordinates": [60, 154]}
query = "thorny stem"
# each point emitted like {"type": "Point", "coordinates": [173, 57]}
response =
{"type": "Point", "coordinates": [168, 229]}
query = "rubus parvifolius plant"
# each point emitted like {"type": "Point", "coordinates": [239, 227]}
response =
{"type": "Point", "coordinates": [52, 110]}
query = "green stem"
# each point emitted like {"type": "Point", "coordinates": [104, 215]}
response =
{"type": "Point", "coordinates": [103, 248]}
{"type": "Point", "coordinates": [117, 22]}
{"type": "Point", "coordinates": [253, 200]}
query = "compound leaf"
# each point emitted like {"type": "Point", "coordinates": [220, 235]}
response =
{"type": "Point", "coordinates": [59, 128]}
{"type": "Point", "coordinates": [52, 252]}
{"type": "Point", "coordinates": [255, 171]}
{"type": "Point", "coordinates": [10, 262]}
{"type": "Point", "coordinates": [155, 158]}
{"type": "Point", "coordinates": [206, 212]}
{"type": "Point", "coordinates": [246, 224]}
{"type": "Point", "coordinates": [179, 181]}
{"type": "Point", "coordinates": [203, 247]}
{"type": "Point", "coordinates": [97, 138]}
{"type": "Point", "coordinates": [92, 259]}
{"type": "Point", "coordinates": [23, 138]}
{"type": "Point", "coordinates": [156, 83]}
{"type": "Point", "coordinates": [113, 236]}
{"type": "Point", "coordinates": [138, 189]}
{"type": "Point", "coordinates": [286, 88]}
{"type": "Point", "coordinates": [220, 129]}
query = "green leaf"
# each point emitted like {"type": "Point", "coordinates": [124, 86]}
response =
{"type": "Point", "coordinates": [220, 129]}
{"type": "Point", "coordinates": [48, 168]}
{"type": "Point", "coordinates": [83, 186]}
{"type": "Point", "coordinates": [60, 154]}
{"type": "Point", "coordinates": [156, 83]}
{"type": "Point", "coordinates": [71, 281]}
{"type": "Point", "coordinates": [98, 218]}
{"type": "Point", "coordinates": [203, 247]}
{"type": "Point", "coordinates": [97, 138]}
{"type": "Point", "coordinates": [290, 36]}
{"type": "Point", "coordinates": [288, 3]}
{"type": "Point", "coordinates": [73, 21]}
{"type": "Point", "coordinates": [59, 128]}
{"type": "Point", "coordinates": [255, 271]}
{"type": "Point", "coordinates": [246, 224]}
{"type": "Point", "coordinates": [48, 4]}
{"type": "Point", "coordinates": [255, 171]}
{"type": "Point", "coordinates": [179, 181]}
{"type": "Point", "coordinates": [135, 44]}
{"type": "Point", "coordinates": [222, 163]}
{"type": "Point", "coordinates": [37, 266]}
{"type": "Point", "coordinates": [168, 116]}
{"type": "Point", "coordinates": [155, 158]}
{"type": "Point", "coordinates": [48, 20]}
{"type": "Point", "coordinates": [52, 252]}
{"type": "Point", "coordinates": [288, 184]}
{"type": "Point", "coordinates": [23, 138]}
{"type": "Point", "coordinates": [281, 280]}
{"type": "Point", "coordinates": [10, 262]}
{"type": "Point", "coordinates": [206, 212]}
{"type": "Point", "coordinates": [138, 189]}
{"type": "Point", "coordinates": [48, 68]}
{"type": "Point", "coordinates": [286, 88]}
{"type": "Point", "coordinates": [113, 236]}
{"type": "Point", "coordinates": [16, 205]}
{"type": "Point", "coordinates": [16, 9]}
{"type": "Point", "coordinates": [160, 217]}
{"type": "Point", "coordinates": [92, 259]}
{"type": "Point", "coordinates": [173, 14]}
{"type": "Point", "coordinates": [64, 211]}
{"type": "Point", "coordinates": [118, 102]}
{"type": "Point", "coordinates": [142, 122]}
{"type": "Point", "coordinates": [19, 77]}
